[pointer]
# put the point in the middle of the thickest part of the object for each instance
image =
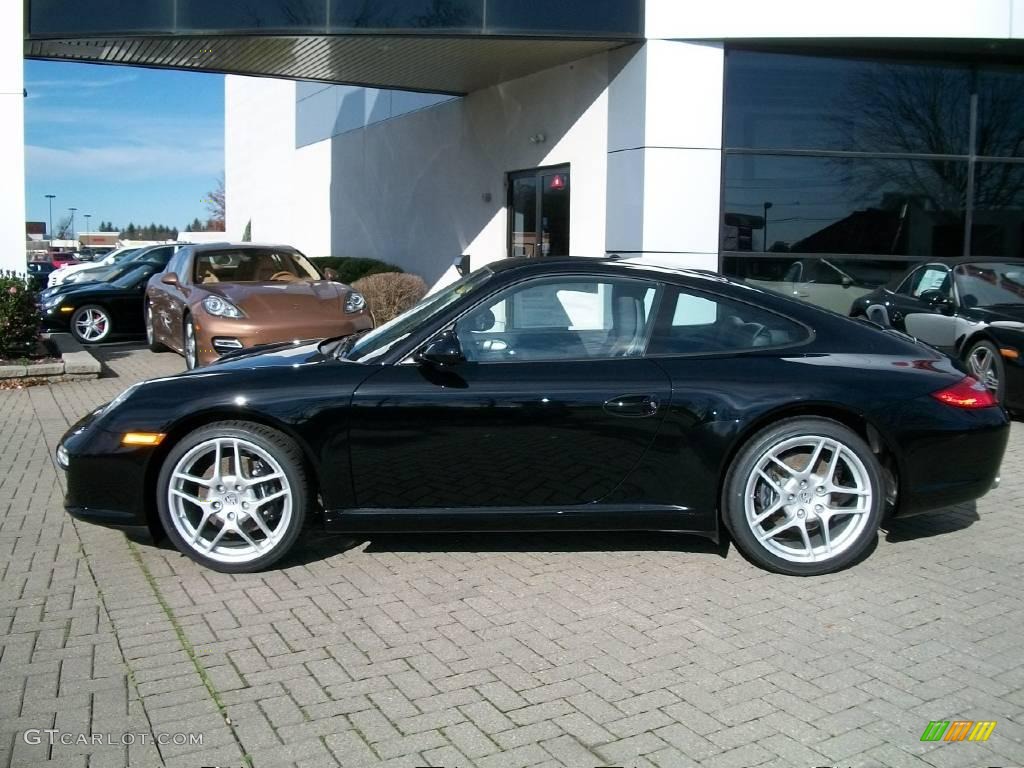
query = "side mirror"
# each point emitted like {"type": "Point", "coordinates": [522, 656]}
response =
{"type": "Point", "coordinates": [444, 351]}
{"type": "Point", "coordinates": [938, 301]}
{"type": "Point", "coordinates": [847, 281]}
{"type": "Point", "coordinates": [169, 279]}
{"type": "Point", "coordinates": [331, 274]}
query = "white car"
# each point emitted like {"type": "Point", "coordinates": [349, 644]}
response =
{"type": "Point", "coordinates": [59, 276]}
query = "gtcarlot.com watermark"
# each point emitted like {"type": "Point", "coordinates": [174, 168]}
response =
{"type": "Point", "coordinates": [53, 737]}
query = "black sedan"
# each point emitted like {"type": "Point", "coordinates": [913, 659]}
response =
{"type": "Point", "coordinates": [552, 394]}
{"type": "Point", "coordinates": [96, 312]}
{"type": "Point", "coordinates": [972, 309]}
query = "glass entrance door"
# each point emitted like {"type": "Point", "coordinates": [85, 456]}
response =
{"type": "Point", "coordinates": [538, 204]}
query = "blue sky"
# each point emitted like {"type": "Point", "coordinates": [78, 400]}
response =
{"type": "Point", "coordinates": [121, 143]}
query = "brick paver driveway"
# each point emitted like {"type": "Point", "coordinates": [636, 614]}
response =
{"type": "Point", "coordinates": [498, 650]}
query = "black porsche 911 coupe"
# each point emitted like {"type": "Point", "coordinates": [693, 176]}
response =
{"type": "Point", "coordinates": [96, 312]}
{"type": "Point", "coordinates": [970, 308]}
{"type": "Point", "coordinates": [550, 394]}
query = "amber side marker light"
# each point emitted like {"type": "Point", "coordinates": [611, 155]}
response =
{"type": "Point", "coordinates": [142, 438]}
{"type": "Point", "coordinates": [1009, 354]}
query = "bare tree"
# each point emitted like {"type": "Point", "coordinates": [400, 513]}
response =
{"type": "Point", "coordinates": [216, 205]}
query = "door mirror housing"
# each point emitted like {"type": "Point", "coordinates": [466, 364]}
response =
{"type": "Point", "coordinates": [444, 351]}
{"type": "Point", "coordinates": [331, 274]}
{"type": "Point", "coordinates": [169, 279]}
{"type": "Point", "coordinates": [847, 281]}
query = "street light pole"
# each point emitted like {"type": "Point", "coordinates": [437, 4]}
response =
{"type": "Point", "coordinates": [49, 199]}
{"type": "Point", "coordinates": [767, 207]}
{"type": "Point", "coordinates": [87, 225]}
{"type": "Point", "coordinates": [72, 222]}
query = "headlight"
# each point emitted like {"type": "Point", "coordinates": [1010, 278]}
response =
{"type": "Point", "coordinates": [219, 307]}
{"type": "Point", "coordinates": [355, 302]}
{"type": "Point", "coordinates": [51, 304]}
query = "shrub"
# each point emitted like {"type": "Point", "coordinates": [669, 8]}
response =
{"type": "Point", "coordinates": [351, 269]}
{"type": "Point", "coordinates": [389, 294]}
{"type": "Point", "coordinates": [19, 316]}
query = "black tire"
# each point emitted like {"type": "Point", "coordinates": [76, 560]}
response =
{"type": "Point", "coordinates": [863, 532]}
{"type": "Point", "coordinates": [988, 350]}
{"type": "Point", "coordinates": [79, 314]}
{"type": "Point", "coordinates": [151, 342]}
{"type": "Point", "coordinates": [188, 337]}
{"type": "Point", "coordinates": [282, 449]}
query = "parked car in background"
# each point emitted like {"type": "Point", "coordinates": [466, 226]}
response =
{"type": "Point", "coordinates": [62, 259]}
{"type": "Point", "coordinates": [547, 394]}
{"type": "Point", "coordinates": [38, 273]}
{"type": "Point", "coordinates": [970, 308]}
{"type": "Point", "coordinates": [820, 282]}
{"type": "Point", "coordinates": [96, 312]}
{"type": "Point", "coordinates": [87, 270]}
{"type": "Point", "coordinates": [220, 298]}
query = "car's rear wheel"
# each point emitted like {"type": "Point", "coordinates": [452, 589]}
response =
{"type": "Point", "coordinates": [91, 324]}
{"type": "Point", "coordinates": [151, 342]}
{"type": "Point", "coordinates": [191, 346]}
{"type": "Point", "coordinates": [804, 497]}
{"type": "Point", "coordinates": [232, 496]}
{"type": "Point", "coordinates": [986, 365]}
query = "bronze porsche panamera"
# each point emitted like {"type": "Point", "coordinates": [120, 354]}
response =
{"type": "Point", "coordinates": [218, 298]}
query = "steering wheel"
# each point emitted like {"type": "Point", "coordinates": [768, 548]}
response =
{"type": "Point", "coordinates": [762, 337]}
{"type": "Point", "coordinates": [283, 276]}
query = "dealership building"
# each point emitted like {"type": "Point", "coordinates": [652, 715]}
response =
{"type": "Point", "coordinates": [814, 147]}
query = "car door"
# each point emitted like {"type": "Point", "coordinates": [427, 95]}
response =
{"type": "Point", "coordinates": [167, 301]}
{"type": "Point", "coordinates": [126, 305]}
{"type": "Point", "coordinates": [924, 306]}
{"type": "Point", "coordinates": [553, 406]}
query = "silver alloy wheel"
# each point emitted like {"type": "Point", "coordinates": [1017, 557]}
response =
{"type": "Point", "coordinates": [149, 324]}
{"type": "Point", "coordinates": [92, 323]}
{"type": "Point", "coordinates": [190, 345]}
{"type": "Point", "coordinates": [808, 499]}
{"type": "Point", "coordinates": [983, 366]}
{"type": "Point", "coordinates": [230, 500]}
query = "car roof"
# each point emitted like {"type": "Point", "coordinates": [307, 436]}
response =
{"type": "Point", "coordinates": [200, 247]}
{"type": "Point", "coordinates": [958, 260]}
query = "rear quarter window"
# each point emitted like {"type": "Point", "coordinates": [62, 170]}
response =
{"type": "Point", "coordinates": [692, 323]}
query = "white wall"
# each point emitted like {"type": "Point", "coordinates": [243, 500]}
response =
{"type": "Point", "coordinates": [412, 190]}
{"type": "Point", "coordinates": [284, 192]}
{"type": "Point", "coordinates": [724, 19]}
{"type": "Point", "coordinates": [12, 138]}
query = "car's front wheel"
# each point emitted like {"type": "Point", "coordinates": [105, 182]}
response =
{"type": "Point", "coordinates": [804, 497]}
{"type": "Point", "coordinates": [91, 324]}
{"type": "Point", "coordinates": [232, 496]}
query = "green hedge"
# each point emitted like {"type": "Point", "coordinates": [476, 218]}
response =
{"type": "Point", "coordinates": [351, 269]}
{"type": "Point", "coordinates": [19, 316]}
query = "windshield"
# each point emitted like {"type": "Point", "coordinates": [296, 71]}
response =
{"type": "Point", "coordinates": [137, 274]}
{"type": "Point", "coordinates": [253, 266]}
{"type": "Point", "coordinates": [378, 341]}
{"type": "Point", "coordinates": [987, 284]}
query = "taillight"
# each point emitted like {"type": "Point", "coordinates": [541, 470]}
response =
{"type": "Point", "coordinates": [966, 393]}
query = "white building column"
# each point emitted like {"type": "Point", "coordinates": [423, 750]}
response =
{"type": "Point", "coordinates": [665, 153]}
{"type": "Point", "coordinates": [12, 137]}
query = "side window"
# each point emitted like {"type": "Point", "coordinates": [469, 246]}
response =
{"type": "Point", "coordinates": [695, 323]}
{"type": "Point", "coordinates": [568, 318]}
{"type": "Point", "coordinates": [177, 264]}
{"type": "Point", "coordinates": [931, 279]}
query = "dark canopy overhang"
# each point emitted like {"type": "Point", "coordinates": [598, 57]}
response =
{"type": "Point", "coordinates": [451, 46]}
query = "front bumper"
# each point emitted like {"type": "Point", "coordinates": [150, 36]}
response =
{"type": "Point", "coordinates": [106, 481]}
{"type": "Point", "coordinates": [216, 336]}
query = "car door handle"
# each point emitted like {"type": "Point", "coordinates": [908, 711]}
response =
{"type": "Point", "coordinates": [635, 406]}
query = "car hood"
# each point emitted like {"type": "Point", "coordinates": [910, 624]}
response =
{"type": "Point", "coordinates": [65, 288]}
{"type": "Point", "coordinates": [285, 354]}
{"type": "Point", "coordinates": [81, 288]}
{"type": "Point", "coordinates": [259, 300]}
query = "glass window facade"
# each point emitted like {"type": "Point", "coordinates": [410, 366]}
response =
{"type": "Point", "coordinates": [616, 19]}
{"type": "Point", "coordinates": [840, 172]}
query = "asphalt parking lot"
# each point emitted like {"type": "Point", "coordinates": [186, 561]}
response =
{"type": "Point", "coordinates": [493, 650]}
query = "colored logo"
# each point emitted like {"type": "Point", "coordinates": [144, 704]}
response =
{"type": "Point", "coordinates": [958, 730]}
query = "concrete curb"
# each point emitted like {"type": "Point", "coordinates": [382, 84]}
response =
{"type": "Point", "coordinates": [76, 363]}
